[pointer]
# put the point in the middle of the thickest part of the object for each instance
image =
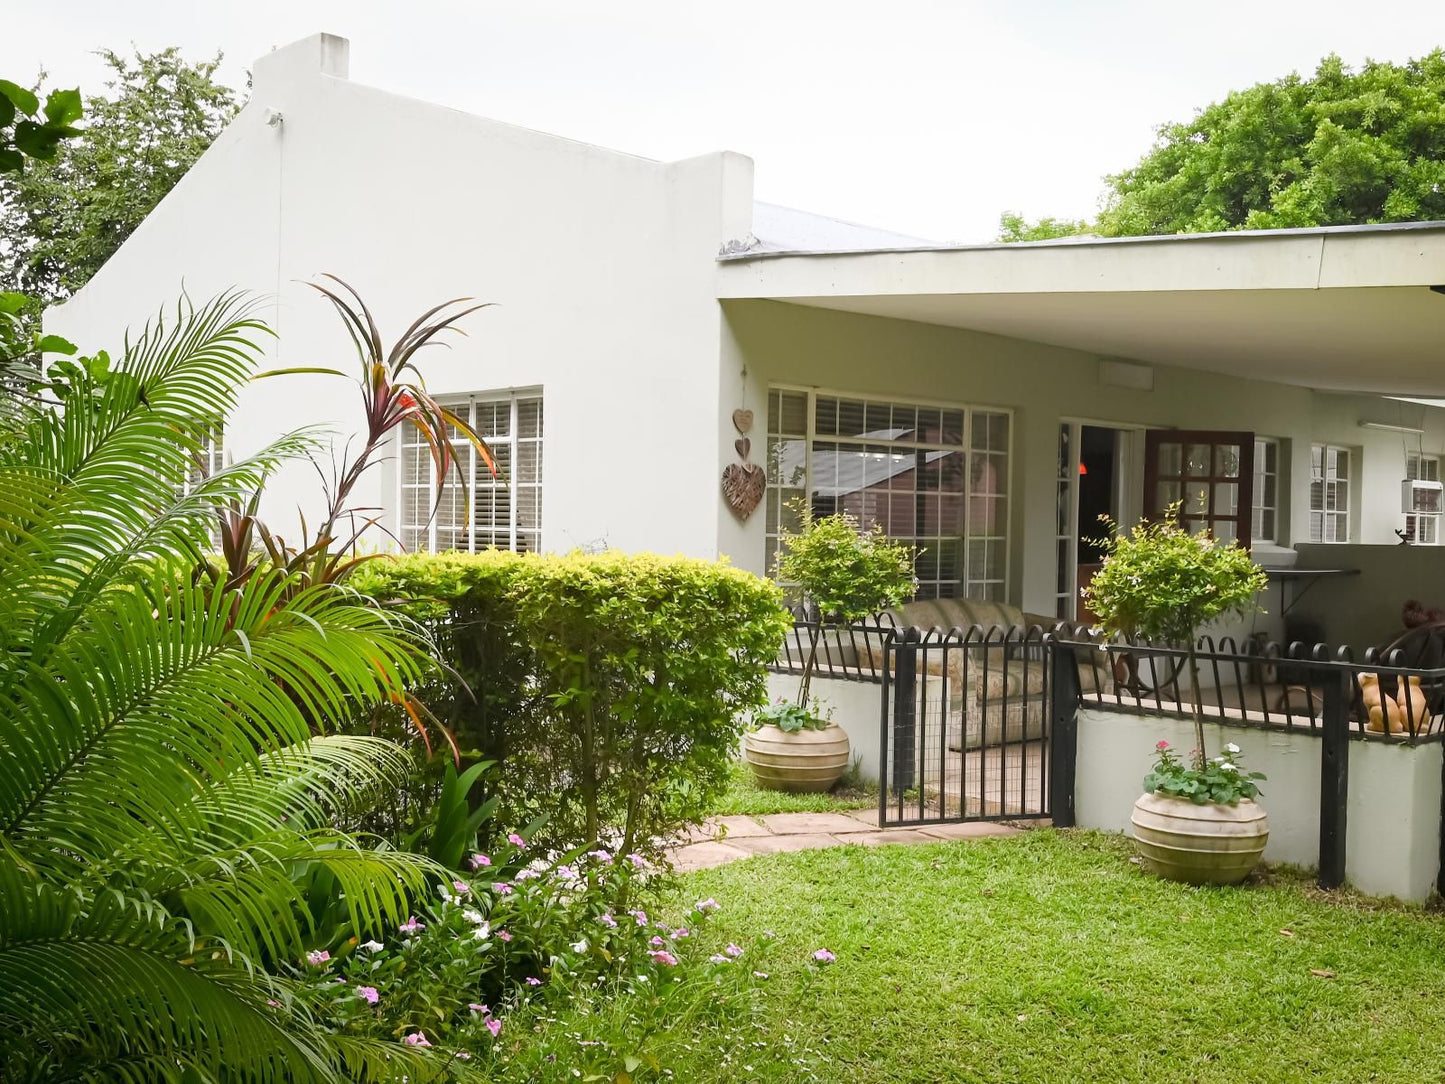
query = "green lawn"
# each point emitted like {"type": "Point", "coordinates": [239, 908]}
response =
{"type": "Point", "coordinates": [744, 797]}
{"type": "Point", "coordinates": [1050, 957]}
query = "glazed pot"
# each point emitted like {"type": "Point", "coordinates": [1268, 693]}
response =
{"type": "Point", "coordinates": [800, 760]}
{"type": "Point", "coordinates": [1199, 844]}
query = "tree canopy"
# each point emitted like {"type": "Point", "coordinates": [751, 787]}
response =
{"type": "Point", "coordinates": [1345, 147]}
{"type": "Point", "coordinates": [61, 218]}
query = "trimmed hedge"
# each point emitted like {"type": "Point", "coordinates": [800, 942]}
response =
{"type": "Point", "coordinates": [610, 687]}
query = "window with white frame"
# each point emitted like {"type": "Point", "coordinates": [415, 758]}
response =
{"type": "Point", "coordinates": [502, 511]}
{"type": "Point", "coordinates": [933, 476]}
{"type": "Point", "coordinates": [208, 458]}
{"type": "Point", "coordinates": [1422, 530]}
{"type": "Point", "coordinates": [1266, 490]}
{"type": "Point", "coordinates": [1330, 473]}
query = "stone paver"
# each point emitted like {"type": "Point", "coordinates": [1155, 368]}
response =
{"type": "Point", "coordinates": [786, 824]}
{"type": "Point", "coordinates": [727, 839]}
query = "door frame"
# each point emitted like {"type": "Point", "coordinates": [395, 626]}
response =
{"type": "Point", "coordinates": [1128, 486]}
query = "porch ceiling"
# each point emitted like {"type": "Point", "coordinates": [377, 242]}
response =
{"type": "Point", "coordinates": [1334, 309]}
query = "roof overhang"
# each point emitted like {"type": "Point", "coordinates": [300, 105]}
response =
{"type": "Point", "coordinates": [1337, 308]}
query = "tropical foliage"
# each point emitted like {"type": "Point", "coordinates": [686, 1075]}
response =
{"type": "Point", "coordinates": [162, 796]}
{"type": "Point", "coordinates": [610, 688]}
{"type": "Point", "coordinates": [62, 218]}
{"type": "Point", "coordinates": [1343, 147]}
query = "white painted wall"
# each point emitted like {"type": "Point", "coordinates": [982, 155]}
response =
{"type": "Point", "coordinates": [601, 266]}
{"type": "Point", "coordinates": [1392, 822]}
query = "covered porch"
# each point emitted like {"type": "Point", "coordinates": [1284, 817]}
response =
{"type": "Point", "coordinates": [988, 403]}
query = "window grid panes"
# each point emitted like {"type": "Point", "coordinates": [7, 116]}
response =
{"type": "Point", "coordinates": [1265, 519]}
{"type": "Point", "coordinates": [1422, 530]}
{"type": "Point", "coordinates": [934, 477]}
{"type": "Point", "coordinates": [208, 459]}
{"type": "Point", "coordinates": [1329, 493]}
{"type": "Point", "coordinates": [502, 511]}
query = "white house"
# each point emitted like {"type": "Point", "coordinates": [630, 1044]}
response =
{"type": "Point", "coordinates": [983, 402]}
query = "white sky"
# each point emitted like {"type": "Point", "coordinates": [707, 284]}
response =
{"type": "Point", "coordinates": [923, 116]}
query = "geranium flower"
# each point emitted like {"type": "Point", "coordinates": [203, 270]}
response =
{"type": "Point", "coordinates": [502, 888]}
{"type": "Point", "coordinates": [718, 959]}
{"type": "Point", "coordinates": [461, 887]}
{"type": "Point", "coordinates": [317, 957]}
{"type": "Point", "coordinates": [823, 956]}
{"type": "Point", "coordinates": [473, 916]}
{"type": "Point", "coordinates": [1161, 745]}
{"type": "Point", "coordinates": [681, 932]}
{"type": "Point", "coordinates": [494, 1026]}
{"type": "Point", "coordinates": [516, 840]}
{"type": "Point", "coordinates": [479, 1009]}
{"type": "Point", "coordinates": [1231, 748]}
{"type": "Point", "coordinates": [667, 959]}
{"type": "Point", "coordinates": [483, 932]}
{"type": "Point", "coordinates": [416, 1038]}
{"type": "Point", "coordinates": [600, 855]}
{"type": "Point", "coordinates": [708, 905]}
{"type": "Point", "coordinates": [637, 861]}
{"type": "Point", "coordinates": [411, 925]}
{"type": "Point", "coordinates": [640, 916]}
{"type": "Point", "coordinates": [657, 942]}
{"type": "Point", "coordinates": [532, 981]}
{"type": "Point", "coordinates": [503, 935]}
{"type": "Point", "coordinates": [480, 860]}
{"type": "Point", "coordinates": [368, 994]}
{"type": "Point", "coordinates": [607, 920]}
{"type": "Point", "coordinates": [734, 951]}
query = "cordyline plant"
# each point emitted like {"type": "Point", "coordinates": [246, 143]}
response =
{"type": "Point", "coordinates": [393, 394]}
{"type": "Point", "coordinates": [1159, 582]}
{"type": "Point", "coordinates": [844, 571]}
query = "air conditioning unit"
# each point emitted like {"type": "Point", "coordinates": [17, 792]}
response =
{"type": "Point", "coordinates": [1422, 498]}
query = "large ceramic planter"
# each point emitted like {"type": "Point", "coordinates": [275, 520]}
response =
{"type": "Point", "coordinates": [1199, 844]}
{"type": "Point", "coordinates": [800, 760]}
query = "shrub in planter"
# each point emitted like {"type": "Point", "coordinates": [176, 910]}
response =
{"type": "Point", "coordinates": [1196, 822]}
{"type": "Point", "coordinates": [845, 573]}
{"type": "Point", "coordinates": [609, 687]}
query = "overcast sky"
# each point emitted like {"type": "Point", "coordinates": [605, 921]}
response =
{"type": "Point", "coordinates": [923, 116]}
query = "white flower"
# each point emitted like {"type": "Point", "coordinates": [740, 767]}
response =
{"type": "Point", "coordinates": [1228, 767]}
{"type": "Point", "coordinates": [580, 946]}
{"type": "Point", "coordinates": [1231, 747]}
{"type": "Point", "coordinates": [472, 916]}
{"type": "Point", "coordinates": [484, 931]}
{"type": "Point", "coordinates": [371, 946]}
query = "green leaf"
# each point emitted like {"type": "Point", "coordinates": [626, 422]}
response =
{"type": "Point", "coordinates": [54, 344]}
{"type": "Point", "coordinates": [36, 140]}
{"type": "Point", "coordinates": [62, 107]}
{"type": "Point", "coordinates": [19, 97]}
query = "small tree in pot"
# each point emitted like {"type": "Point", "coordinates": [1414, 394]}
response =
{"type": "Point", "coordinates": [845, 573]}
{"type": "Point", "coordinates": [1159, 582]}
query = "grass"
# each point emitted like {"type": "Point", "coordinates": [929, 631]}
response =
{"type": "Point", "coordinates": [744, 797]}
{"type": "Point", "coordinates": [1050, 957]}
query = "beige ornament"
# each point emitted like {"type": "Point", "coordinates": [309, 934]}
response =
{"type": "Point", "coordinates": [742, 420]}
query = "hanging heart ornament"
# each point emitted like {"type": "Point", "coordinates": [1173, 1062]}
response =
{"type": "Point", "coordinates": [742, 420]}
{"type": "Point", "coordinates": [744, 446]}
{"type": "Point", "coordinates": [743, 485]}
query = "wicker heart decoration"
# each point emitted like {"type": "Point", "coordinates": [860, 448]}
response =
{"type": "Point", "coordinates": [742, 420]}
{"type": "Point", "coordinates": [743, 485]}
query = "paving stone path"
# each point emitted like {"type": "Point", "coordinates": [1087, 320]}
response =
{"type": "Point", "coordinates": [726, 839]}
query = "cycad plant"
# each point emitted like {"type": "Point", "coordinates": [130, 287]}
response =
{"type": "Point", "coordinates": [161, 791]}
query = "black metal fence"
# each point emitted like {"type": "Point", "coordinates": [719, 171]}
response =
{"type": "Point", "coordinates": [965, 726]}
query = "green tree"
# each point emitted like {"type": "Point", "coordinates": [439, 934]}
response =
{"type": "Point", "coordinates": [1344, 147]}
{"type": "Point", "coordinates": [62, 218]}
{"type": "Point", "coordinates": [162, 796]}
{"type": "Point", "coordinates": [1014, 227]}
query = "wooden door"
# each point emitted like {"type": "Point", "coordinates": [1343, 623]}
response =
{"type": "Point", "coordinates": [1208, 473]}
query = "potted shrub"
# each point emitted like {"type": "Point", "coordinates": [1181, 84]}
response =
{"type": "Point", "coordinates": [844, 573]}
{"type": "Point", "coordinates": [1197, 821]}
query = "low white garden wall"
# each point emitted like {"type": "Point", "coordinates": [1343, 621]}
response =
{"type": "Point", "coordinates": [1392, 845]}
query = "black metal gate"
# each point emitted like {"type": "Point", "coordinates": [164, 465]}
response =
{"type": "Point", "coordinates": [970, 726]}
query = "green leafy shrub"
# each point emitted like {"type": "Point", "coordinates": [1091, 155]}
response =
{"type": "Point", "coordinates": [844, 571]}
{"type": "Point", "coordinates": [1220, 779]}
{"type": "Point", "coordinates": [609, 687]}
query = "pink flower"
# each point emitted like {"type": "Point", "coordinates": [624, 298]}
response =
{"type": "Point", "coordinates": [368, 994]}
{"type": "Point", "coordinates": [462, 888]}
{"type": "Point", "coordinates": [533, 981]}
{"type": "Point", "coordinates": [480, 1009]}
{"type": "Point", "coordinates": [600, 855]}
{"type": "Point", "coordinates": [494, 1026]}
{"type": "Point", "coordinates": [411, 925]}
{"type": "Point", "coordinates": [516, 840]}
{"type": "Point", "coordinates": [638, 862]}
{"type": "Point", "coordinates": [640, 916]}
{"type": "Point", "coordinates": [667, 959]}
{"type": "Point", "coordinates": [479, 860]}
{"type": "Point", "coordinates": [657, 942]}
{"type": "Point", "coordinates": [718, 959]}
{"type": "Point", "coordinates": [317, 957]}
{"type": "Point", "coordinates": [823, 956]}
{"type": "Point", "coordinates": [607, 920]}
{"type": "Point", "coordinates": [502, 888]}
{"type": "Point", "coordinates": [416, 1038]}
{"type": "Point", "coordinates": [708, 905]}
{"type": "Point", "coordinates": [681, 933]}
{"type": "Point", "coordinates": [503, 935]}
{"type": "Point", "coordinates": [734, 951]}
{"type": "Point", "coordinates": [1161, 746]}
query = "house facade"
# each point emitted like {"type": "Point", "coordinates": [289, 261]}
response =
{"type": "Point", "coordinates": [986, 404]}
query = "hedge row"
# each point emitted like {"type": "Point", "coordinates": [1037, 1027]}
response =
{"type": "Point", "coordinates": [610, 687]}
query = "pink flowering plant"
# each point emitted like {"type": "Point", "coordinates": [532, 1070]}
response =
{"type": "Point", "coordinates": [510, 939]}
{"type": "Point", "coordinates": [1219, 779]}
